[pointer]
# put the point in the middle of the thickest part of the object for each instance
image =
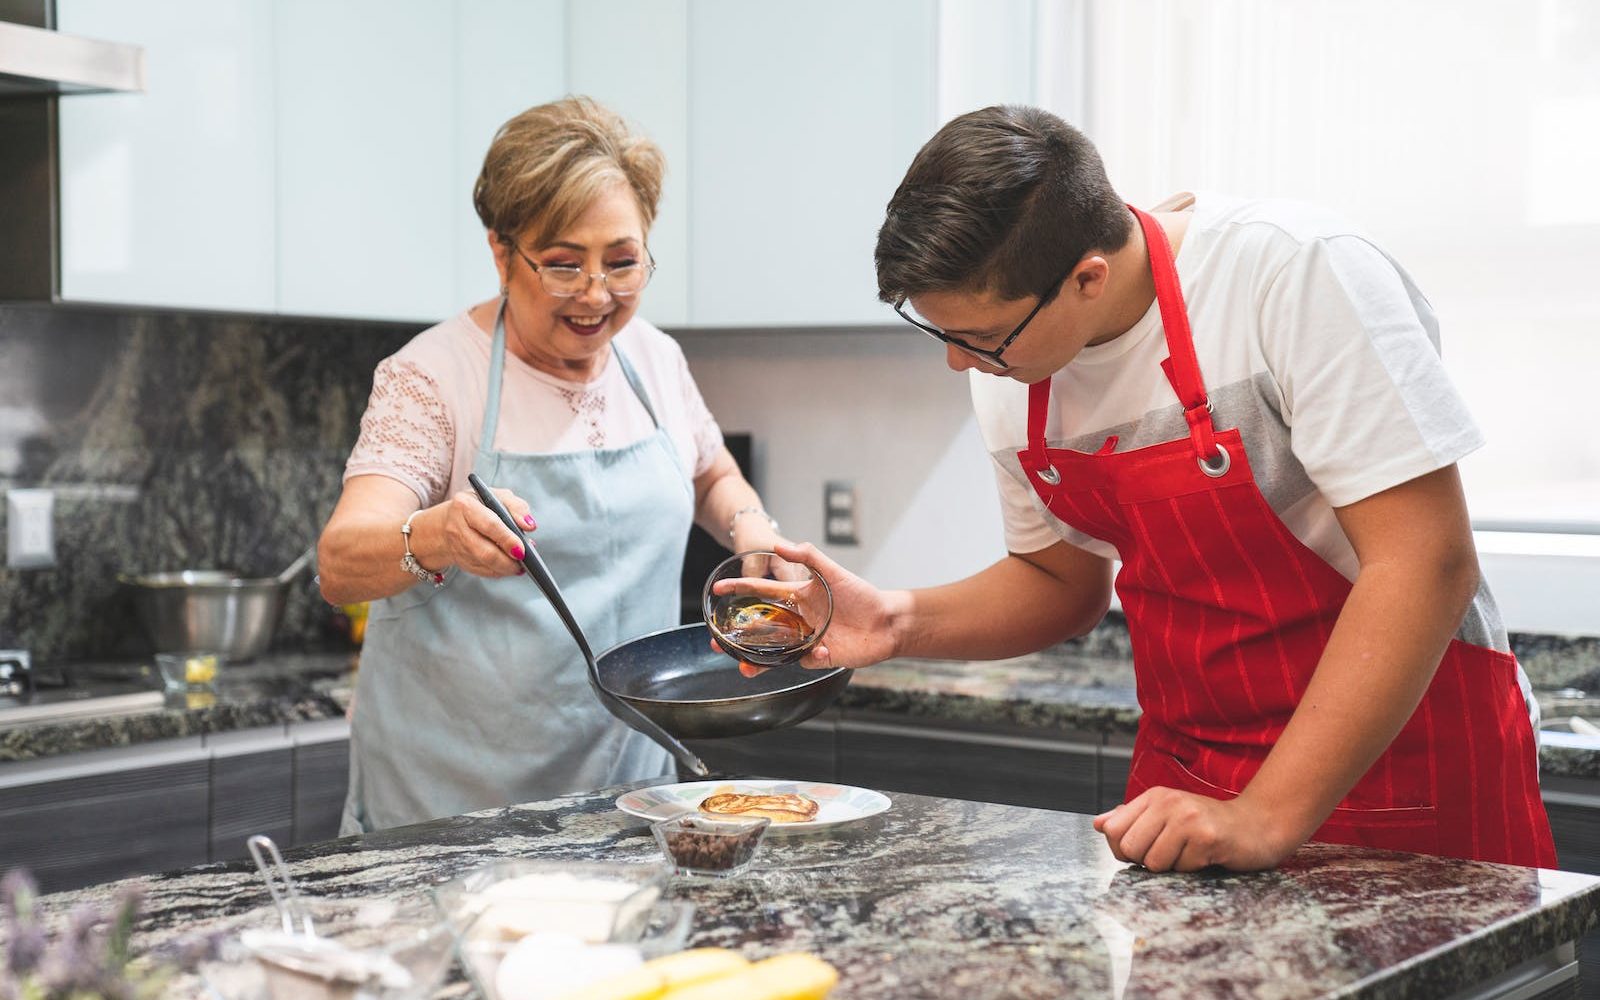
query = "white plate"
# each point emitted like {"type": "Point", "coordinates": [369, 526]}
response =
{"type": "Point", "coordinates": [837, 803]}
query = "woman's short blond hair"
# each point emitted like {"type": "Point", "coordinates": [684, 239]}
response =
{"type": "Point", "coordinates": [548, 164]}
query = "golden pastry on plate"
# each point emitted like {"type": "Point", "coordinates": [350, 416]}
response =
{"type": "Point", "coordinates": [789, 808]}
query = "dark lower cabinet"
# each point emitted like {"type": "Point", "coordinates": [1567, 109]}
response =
{"type": "Point", "coordinates": [93, 817]}
{"type": "Point", "coordinates": [1115, 762]}
{"type": "Point", "coordinates": [321, 776]}
{"type": "Point", "coordinates": [90, 817]}
{"type": "Point", "coordinates": [1574, 808]}
{"type": "Point", "coordinates": [806, 752]}
{"type": "Point", "coordinates": [893, 754]}
{"type": "Point", "coordinates": [961, 764]}
{"type": "Point", "coordinates": [252, 791]}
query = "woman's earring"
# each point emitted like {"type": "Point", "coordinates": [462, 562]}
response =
{"type": "Point", "coordinates": [504, 289]}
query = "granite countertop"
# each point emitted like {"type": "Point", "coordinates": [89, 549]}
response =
{"type": "Point", "coordinates": [276, 688]}
{"type": "Point", "coordinates": [1080, 687]}
{"type": "Point", "coordinates": [1067, 690]}
{"type": "Point", "coordinates": [939, 897]}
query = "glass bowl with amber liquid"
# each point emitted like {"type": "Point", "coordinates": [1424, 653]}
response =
{"type": "Point", "coordinates": [766, 610]}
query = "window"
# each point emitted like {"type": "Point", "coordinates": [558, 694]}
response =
{"type": "Point", "coordinates": [1463, 134]}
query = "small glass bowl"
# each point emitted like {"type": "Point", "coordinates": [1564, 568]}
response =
{"type": "Point", "coordinates": [493, 908]}
{"type": "Point", "coordinates": [596, 901]}
{"type": "Point", "coordinates": [182, 672]}
{"type": "Point", "coordinates": [764, 609]}
{"type": "Point", "coordinates": [709, 846]}
{"type": "Point", "coordinates": [397, 951]}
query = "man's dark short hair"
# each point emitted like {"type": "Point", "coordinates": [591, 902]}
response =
{"type": "Point", "coordinates": [1004, 199]}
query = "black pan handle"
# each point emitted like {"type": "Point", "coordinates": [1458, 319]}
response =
{"type": "Point", "coordinates": [540, 573]}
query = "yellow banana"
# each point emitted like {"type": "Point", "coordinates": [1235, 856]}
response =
{"type": "Point", "coordinates": [697, 965]}
{"type": "Point", "coordinates": [794, 976]}
{"type": "Point", "coordinates": [716, 974]}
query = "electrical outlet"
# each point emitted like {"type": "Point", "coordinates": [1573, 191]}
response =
{"type": "Point", "coordinates": [839, 513]}
{"type": "Point", "coordinates": [30, 529]}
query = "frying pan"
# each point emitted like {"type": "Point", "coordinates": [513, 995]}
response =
{"type": "Point", "coordinates": [694, 692]}
{"type": "Point", "coordinates": [672, 685]}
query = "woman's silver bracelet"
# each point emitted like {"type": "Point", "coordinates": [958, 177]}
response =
{"type": "Point", "coordinates": [409, 562]}
{"type": "Point", "coordinates": [734, 520]}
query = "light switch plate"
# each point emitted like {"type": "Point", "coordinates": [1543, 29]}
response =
{"type": "Point", "coordinates": [30, 529]}
{"type": "Point", "coordinates": [839, 513]}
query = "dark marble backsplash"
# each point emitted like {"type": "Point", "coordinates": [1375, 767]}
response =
{"type": "Point", "coordinates": [172, 440]}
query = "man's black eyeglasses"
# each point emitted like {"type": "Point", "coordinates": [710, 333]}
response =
{"type": "Point", "coordinates": [991, 357]}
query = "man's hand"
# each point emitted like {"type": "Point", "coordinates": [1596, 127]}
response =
{"type": "Point", "coordinates": [861, 631]}
{"type": "Point", "coordinates": [1164, 829]}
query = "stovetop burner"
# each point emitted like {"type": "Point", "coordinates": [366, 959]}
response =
{"type": "Point", "coordinates": [16, 672]}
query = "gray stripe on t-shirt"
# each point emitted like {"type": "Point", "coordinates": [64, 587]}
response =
{"type": "Point", "coordinates": [1253, 407]}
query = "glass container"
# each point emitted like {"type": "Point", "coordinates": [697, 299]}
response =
{"type": "Point", "coordinates": [765, 609]}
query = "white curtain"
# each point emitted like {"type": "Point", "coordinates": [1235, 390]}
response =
{"type": "Point", "coordinates": [1464, 135]}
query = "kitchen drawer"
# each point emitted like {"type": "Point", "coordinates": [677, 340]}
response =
{"type": "Point", "coordinates": [1577, 833]}
{"type": "Point", "coordinates": [321, 777]}
{"type": "Point", "coordinates": [104, 815]}
{"type": "Point", "coordinates": [986, 767]}
{"type": "Point", "coordinates": [1573, 805]}
{"type": "Point", "coordinates": [1114, 765]}
{"type": "Point", "coordinates": [805, 752]}
{"type": "Point", "coordinates": [252, 790]}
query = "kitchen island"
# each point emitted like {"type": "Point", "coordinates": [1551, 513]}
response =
{"type": "Point", "coordinates": [947, 898]}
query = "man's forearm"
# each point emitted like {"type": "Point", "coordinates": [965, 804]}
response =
{"type": "Point", "coordinates": [1380, 658]}
{"type": "Point", "coordinates": [1011, 608]}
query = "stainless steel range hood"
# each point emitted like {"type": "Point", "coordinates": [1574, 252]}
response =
{"type": "Point", "coordinates": [39, 61]}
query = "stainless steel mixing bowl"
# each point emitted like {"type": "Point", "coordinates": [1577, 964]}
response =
{"type": "Point", "coordinates": [208, 611]}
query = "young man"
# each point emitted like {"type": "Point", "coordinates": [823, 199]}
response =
{"type": "Point", "coordinates": [1244, 403]}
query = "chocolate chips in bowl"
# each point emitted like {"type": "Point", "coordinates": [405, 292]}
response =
{"type": "Point", "coordinates": [697, 844]}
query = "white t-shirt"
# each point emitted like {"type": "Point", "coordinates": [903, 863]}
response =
{"type": "Point", "coordinates": [424, 419]}
{"type": "Point", "coordinates": [1312, 342]}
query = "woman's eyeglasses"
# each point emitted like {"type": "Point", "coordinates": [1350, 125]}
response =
{"type": "Point", "coordinates": [567, 280]}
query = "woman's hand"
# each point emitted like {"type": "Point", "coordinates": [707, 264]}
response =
{"type": "Point", "coordinates": [468, 535]}
{"type": "Point", "coordinates": [1164, 829]}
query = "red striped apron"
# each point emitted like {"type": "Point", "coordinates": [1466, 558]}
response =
{"type": "Point", "coordinates": [1230, 612]}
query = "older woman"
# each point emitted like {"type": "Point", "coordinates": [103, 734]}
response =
{"type": "Point", "coordinates": [586, 420]}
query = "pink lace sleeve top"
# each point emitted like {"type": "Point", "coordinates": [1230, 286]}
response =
{"type": "Point", "coordinates": [424, 419]}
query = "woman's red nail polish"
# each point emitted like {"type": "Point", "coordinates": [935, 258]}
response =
{"type": "Point", "coordinates": [517, 552]}
{"type": "Point", "coordinates": [529, 521]}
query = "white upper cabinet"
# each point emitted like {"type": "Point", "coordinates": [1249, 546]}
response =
{"type": "Point", "coordinates": [366, 156]}
{"type": "Point", "coordinates": [385, 111]}
{"type": "Point", "coordinates": [167, 196]}
{"type": "Point", "coordinates": [297, 156]}
{"type": "Point", "coordinates": [803, 118]}
{"type": "Point", "coordinates": [318, 158]}
{"type": "Point", "coordinates": [633, 56]}
{"type": "Point", "coordinates": [509, 57]}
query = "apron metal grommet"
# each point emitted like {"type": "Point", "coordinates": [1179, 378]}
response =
{"type": "Point", "coordinates": [1050, 476]}
{"type": "Point", "coordinates": [1218, 467]}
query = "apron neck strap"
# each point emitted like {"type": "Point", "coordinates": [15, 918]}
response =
{"type": "Point", "coordinates": [497, 369]}
{"type": "Point", "coordinates": [634, 381]}
{"type": "Point", "coordinates": [1038, 416]}
{"type": "Point", "coordinates": [1181, 366]}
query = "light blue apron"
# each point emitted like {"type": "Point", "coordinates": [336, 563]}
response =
{"type": "Point", "coordinates": [473, 695]}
